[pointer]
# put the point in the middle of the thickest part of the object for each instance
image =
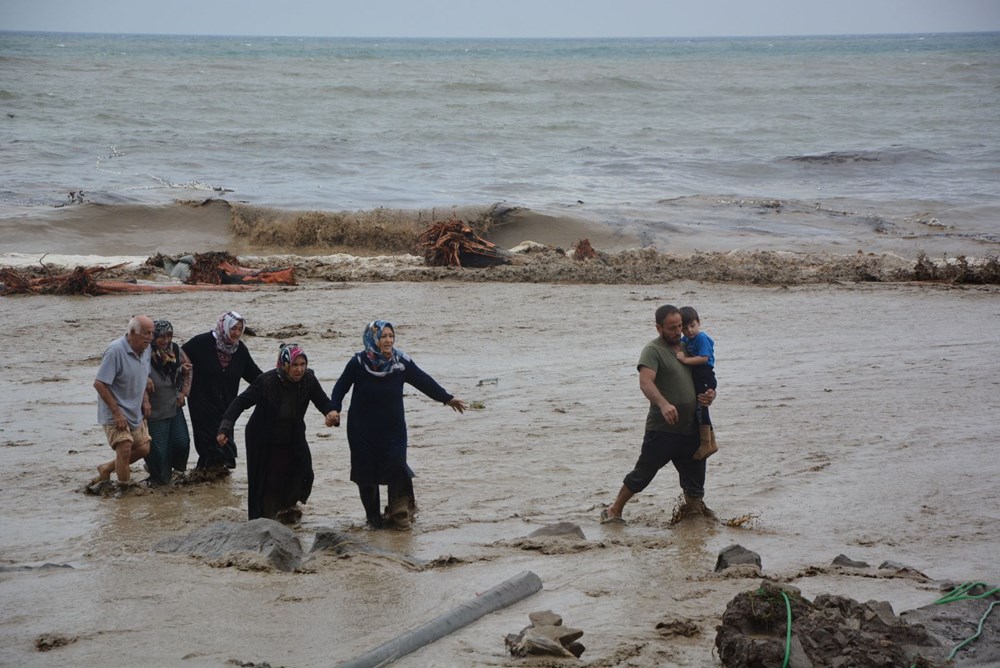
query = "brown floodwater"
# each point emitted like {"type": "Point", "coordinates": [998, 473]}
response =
{"type": "Point", "coordinates": [854, 419]}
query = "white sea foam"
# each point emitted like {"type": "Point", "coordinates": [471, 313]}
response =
{"type": "Point", "coordinates": [41, 259]}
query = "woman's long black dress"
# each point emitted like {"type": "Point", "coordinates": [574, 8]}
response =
{"type": "Point", "coordinates": [213, 388]}
{"type": "Point", "coordinates": [376, 421]}
{"type": "Point", "coordinates": [279, 463]}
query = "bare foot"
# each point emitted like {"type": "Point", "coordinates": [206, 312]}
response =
{"type": "Point", "coordinates": [104, 472]}
{"type": "Point", "coordinates": [609, 518]}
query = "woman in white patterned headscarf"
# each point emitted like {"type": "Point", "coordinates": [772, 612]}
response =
{"type": "Point", "coordinates": [220, 360]}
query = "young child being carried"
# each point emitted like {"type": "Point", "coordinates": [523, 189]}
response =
{"type": "Point", "coordinates": [700, 358]}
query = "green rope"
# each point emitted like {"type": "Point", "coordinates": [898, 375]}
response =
{"type": "Point", "coordinates": [979, 631]}
{"type": "Point", "coordinates": [960, 593]}
{"type": "Point", "coordinates": [788, 626]}
{"type": "Point", "coordinates": [788, 632]}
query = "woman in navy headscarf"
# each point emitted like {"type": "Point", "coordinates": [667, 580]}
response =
{"type": "Point", "coordinates": [376, 425]}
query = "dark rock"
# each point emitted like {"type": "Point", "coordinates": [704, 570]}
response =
{"type": "Point", "coordinates": [561, 634]}
{"type": "Point", "coordinates": [266, 539]}
{"type": "Point", "coordinates": [576, 649]}
{"type": "Point", "coordinates": [113, 489]}
{"type": "Point", "coordinates": [536, 644]}
{"type": "Point", "coordinates": [677, 626]}
{"type": "Point", "coordinates": [847, 562]}
{"type": "Point", "coordinates": [954, 622]}
{"type": "Point", "coordinates": [735, 555]}
{"type": "Point", "coordinates": [901, 570]}
{"type": "Point", "coordinates": [330, 541]}
{"type": "Point", "coordinates": [50, 641]}
{"type": "Point", "coordinates": [829, 631]}
{"type": "Point", "coordinates": [560, 530]}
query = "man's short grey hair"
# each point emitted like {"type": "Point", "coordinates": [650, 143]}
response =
{"type": "Point", "coordinates": [134, 326]}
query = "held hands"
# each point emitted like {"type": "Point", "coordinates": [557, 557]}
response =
{"type": "Point", "coordinates": [457, 405]}
{"type": "Point", "coordinates": [333, 419]}
{"type": "Point", "coordinates": [707, 397]}
{"type": "Point", "coordinates": [221, 439]}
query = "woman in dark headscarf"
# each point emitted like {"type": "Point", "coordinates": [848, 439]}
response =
{"type": "Point", "coordinates": [170, 371]}
{"type": "Point", "coordinates": [220, 359]}
{"type": "Point", "coordinates": [376, 428]}
{"type": "Point", "coordinates": [279, 464]}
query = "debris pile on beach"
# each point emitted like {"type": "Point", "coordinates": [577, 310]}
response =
{"type": "Point", "coordinates": [452, 243]}
{"type": "Point", "coordinates": [582, 250]}
{"type": "Point", "coordinates": [212, 270]}
{"type": "Point", "coordinates": [458, 253]}
{"type": "Point", "coordinates": [223, 268]}
{"type": "Point", "coordinates": [79, 281]}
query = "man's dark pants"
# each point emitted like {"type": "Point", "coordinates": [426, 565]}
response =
{"type": "Point", "coordinates": [660, 448]}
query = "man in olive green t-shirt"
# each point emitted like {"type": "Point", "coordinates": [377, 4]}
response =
{"type": "Point", "coordinates": [671, 430]}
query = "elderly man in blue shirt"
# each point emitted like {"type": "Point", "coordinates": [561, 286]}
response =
{"type": "Point", "coordinates": [122, 386]}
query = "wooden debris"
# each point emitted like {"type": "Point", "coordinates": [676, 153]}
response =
{"type": "Point", "coordinates": [212, 271]}
{"type": "Point", "coordinates": [221, 268]}
{"type": "Point", "coordinates": [80, 281]}
{"type": "Point", "coordinates": [452, 243]}
{"type": "Point", "coordinates": [582, 250]}
{"type": "Point", "coordinates": [116, 287]}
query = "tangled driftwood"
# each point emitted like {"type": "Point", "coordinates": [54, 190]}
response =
{"type": "Point", "coordinates": [80, 281]}
{"type": "Point", "coordinates": [582, 250]}
{"type": "Point", "coordinates": [211, 271]}
{"type": "Point", "coordinates": [221, 268]}
{"type": "Point", "coordinates": [452, 243]}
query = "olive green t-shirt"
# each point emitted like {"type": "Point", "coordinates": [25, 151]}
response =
{"type": "Point", "coordinates": [673, 380]}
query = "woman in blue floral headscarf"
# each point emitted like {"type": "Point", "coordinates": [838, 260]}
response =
{"type": "Point", "coordinates": [376, 425]}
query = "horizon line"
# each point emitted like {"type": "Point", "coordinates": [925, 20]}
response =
{"type": "Point", "coordinates": [523, 38]}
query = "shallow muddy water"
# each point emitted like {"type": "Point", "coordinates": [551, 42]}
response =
{"type": "Point", "coordinates": [851, 419]}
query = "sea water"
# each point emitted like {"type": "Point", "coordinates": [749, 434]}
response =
{"type": "Point", "coordinates": [645, 133]}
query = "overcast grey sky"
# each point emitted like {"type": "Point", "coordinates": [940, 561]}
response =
{"type": "Point", "coordinates": [502, 18]}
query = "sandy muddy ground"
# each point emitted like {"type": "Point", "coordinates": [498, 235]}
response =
{"type": "Point", "coordinates": [855, 419]}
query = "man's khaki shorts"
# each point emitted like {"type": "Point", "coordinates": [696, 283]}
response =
{"type": "Point", "coordinates": [136, 436]}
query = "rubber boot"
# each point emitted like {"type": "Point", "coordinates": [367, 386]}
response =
{"type": "Point", "coordinates": [370, 500]}
{"type": "Point", "coordinates": [397, 513]}
{"type": "Point", "coordinates": [707, 448]}
{"type": "Point", "coordinates": [695, 505]}
{"type": "Point", "coordinates": [291, 515]}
